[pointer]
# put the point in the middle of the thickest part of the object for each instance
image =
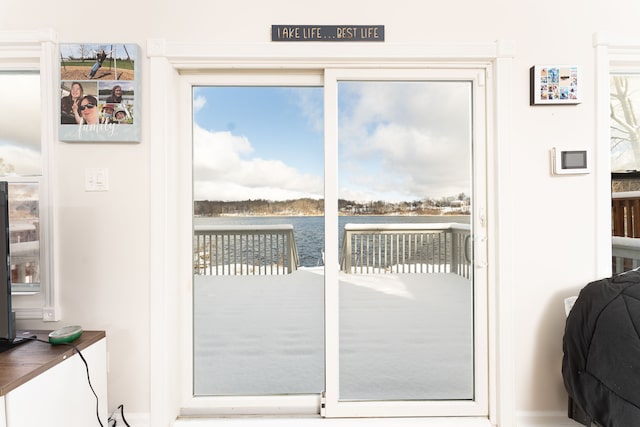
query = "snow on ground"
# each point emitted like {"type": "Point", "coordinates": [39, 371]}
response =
{"type": "Point", "coordinates": [403, 336]}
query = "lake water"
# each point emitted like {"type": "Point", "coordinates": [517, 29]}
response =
{"type": "Point", "coordinates": [309, 230]}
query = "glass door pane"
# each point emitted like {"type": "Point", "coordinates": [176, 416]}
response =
{"type": "Point", "coordinates": [258, 241]}
{"type": "Point", "coordinates": [625, 169]}
{"type": "Point", "coordinates": [405, 311]}
{"type": "Point", "coordinates": [21, 165]}
{"type": "Point", "coordinates": [406, 293]}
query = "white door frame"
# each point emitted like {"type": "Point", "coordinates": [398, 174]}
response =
{"type": "Point", "coordinates": [231, 405]}
{"type": "Point", "coordinates": [170, 243]}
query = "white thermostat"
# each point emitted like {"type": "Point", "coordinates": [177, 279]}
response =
{"type": "Point", "coordinates": [570, 162]}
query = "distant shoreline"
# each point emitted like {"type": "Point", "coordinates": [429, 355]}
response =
{"type": "Point", "coordinates": [249, 215]}
{"type": "Point", "coordinates": [313, 207]}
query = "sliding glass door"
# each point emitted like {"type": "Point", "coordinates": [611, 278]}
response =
{"type": "Point", "coordinates": [404, 337]}
{"type": "Point", "coordinates": [339, 243]}
{"type": "Point", "coordinates": [258, 241]}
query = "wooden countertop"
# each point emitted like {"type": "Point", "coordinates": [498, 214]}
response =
{"type": "Point", "coordinates": [29, 359]}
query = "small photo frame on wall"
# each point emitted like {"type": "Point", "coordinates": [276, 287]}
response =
{"type": "Point", "coordinates": [99, 92]}
{"type": "Point", "coordinates": [555, 84]}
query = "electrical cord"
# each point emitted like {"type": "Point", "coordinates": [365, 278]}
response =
{"type": "Point", "coordinates": [111, 419]}
{"type": "Point", "coordinates": [86, 365]}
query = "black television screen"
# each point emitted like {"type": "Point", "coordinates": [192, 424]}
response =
{"type": "Point", "coordinates": [7, 317]}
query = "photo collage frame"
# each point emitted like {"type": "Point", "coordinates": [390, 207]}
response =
{"type": "Point", "coordinates": [99, 92]}
{"type": "Point", "coordinates": [555, 84]}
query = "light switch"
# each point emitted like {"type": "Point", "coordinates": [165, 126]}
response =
{"type": "Point", "coordinates": [96, 179]}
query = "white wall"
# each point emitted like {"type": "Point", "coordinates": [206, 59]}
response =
{"type": "Point", "coordinates": [104, 238]}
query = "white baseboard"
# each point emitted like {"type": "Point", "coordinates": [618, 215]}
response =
{"type": "Point", "coordinates": [544, 419]}
{"type": "Point", "coordinates": [135, 419]}
{"type": "Point", "coordinates": [523, 419]}
{"type": "Point", "coordinates": [316, 421]}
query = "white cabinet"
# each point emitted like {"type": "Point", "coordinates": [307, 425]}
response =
{"type": "Point", "coordinates": [58, 395]}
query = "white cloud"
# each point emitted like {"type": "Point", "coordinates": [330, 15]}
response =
{"type": "Point", "coordinates": [413, 139]}
{"type": "Point", "coordinates": [198, 103]}
{"type": "Point", "coordinates": [397, 142]}
{"type": "Point", "coordinates": [25, 160]}
{"type": "Point", "coordinates": [20, 118]}
{"type": "Point", "coordinates": [311, 107]}
{"type": "Point", "coordinates": [225, 169]}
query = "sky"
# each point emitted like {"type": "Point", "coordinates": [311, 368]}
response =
{"type": "Point", "coordinates": [89, 50]}
{"type": "Point", "coordinates": [258, 143]}
{"type": "Point", "coordinates": [403, 141]}
{"type": "Point", "coordinates": [20, 122]}
{"type": "Point", "coordinates": [398, 141]}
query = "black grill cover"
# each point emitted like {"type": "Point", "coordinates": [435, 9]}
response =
{"type": "Point", "coordinates": [601, 345]}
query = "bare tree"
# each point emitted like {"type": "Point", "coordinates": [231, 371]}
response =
{"type": "Point", "coordinates": [624, 121]}
{"type": "Point", "coordinates": [84, 52]}
{"type": "Point", "coordinates": [5, 168]}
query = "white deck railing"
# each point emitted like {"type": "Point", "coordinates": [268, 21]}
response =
{"type": "Point", "coordinates": [626, 253]}
{"type": "Point", "coordinates": [406, 248]}
{"type": "Point", "coordinates": [242, 250]}
{"type": "Point", "coordinates": [25, 258]}
{"type": "Point", "coordinates": [24, 248]}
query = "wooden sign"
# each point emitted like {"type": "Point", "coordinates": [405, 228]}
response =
{"type": "Point", "coordinates": [327, 33]}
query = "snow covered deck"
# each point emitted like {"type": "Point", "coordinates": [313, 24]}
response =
{"type": "Point", "coordinates": [402, 336]}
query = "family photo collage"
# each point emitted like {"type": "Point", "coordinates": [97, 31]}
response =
{"type": "Point", "coordinates": [98, 92]}
{"type": "Point", "coordinates": [558, 83]}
